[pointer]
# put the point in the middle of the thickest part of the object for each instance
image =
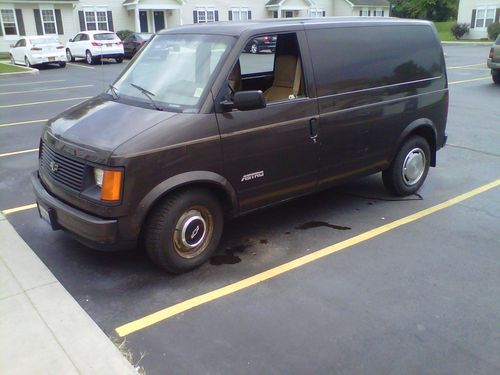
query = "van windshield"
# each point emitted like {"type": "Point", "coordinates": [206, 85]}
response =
{"type": "Point", "coordinates": [173, 70]}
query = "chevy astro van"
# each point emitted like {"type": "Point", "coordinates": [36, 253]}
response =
{"type": "Point", "coordinates": [195, 131]}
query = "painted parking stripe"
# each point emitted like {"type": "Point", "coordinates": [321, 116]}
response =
{"type": "Point", "coordinates": [465, 66]}
{"type": "Point", "coordinates": [18, 152]}
{"type": "Point", "coordinates": [45, 102]}
{"type": "Point", "coordinates": [81, 66]}
{"type": "Point", "coordinates": [32, 83]}
{"type": "Point", "coordinates": [43, 90]}
{"type": "Point", "coordinates": [189, 304]}
{"type": "Point", "coordinates": [469, 80]}
{"type": "Point", "coordinates": [23, 123]}
{"type": "Point", "coordinates": [18, 209]}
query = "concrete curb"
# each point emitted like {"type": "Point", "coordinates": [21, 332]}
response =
{"type": "Point", "coordinates": [43, 330]}
{"type": "Point", "coordinates": [30, 70]}
{"type": "Point", "coordinates": [467, 43]}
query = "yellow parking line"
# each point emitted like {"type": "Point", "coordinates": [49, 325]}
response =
{"type": "Point", "coordinates": [18, 209]}
{"type": "Point", "coordinates": [465, 66]}
{"type": "Point", "coordinates": [81, 66]}
{"type": "Point", "coordinates": [23, 123]}
{"type": "Point", "coordinates": [31, 83]}
{"type": "Point", "coordinates": [45, 102]}
{"type": "Point", "coordinates": [18, 152]}
{"type": "Point", "coordinates": [43, 90]}
{"type": "Point", "coordinates": [469, 80]}
{"type": "Point", "coordinates": [161, 315]}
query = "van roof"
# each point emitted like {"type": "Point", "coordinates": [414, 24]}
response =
{"type": "Point", "coordinates": [235, 28]}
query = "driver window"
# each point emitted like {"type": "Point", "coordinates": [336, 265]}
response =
{"type": "Point", "coordinates": [272, 64]}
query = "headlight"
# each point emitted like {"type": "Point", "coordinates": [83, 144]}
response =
{"type": "Point", "coordinates": [110, 182]}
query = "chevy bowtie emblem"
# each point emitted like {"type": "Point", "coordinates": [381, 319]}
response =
{"type": "Point", "coordinates": [54, 167]}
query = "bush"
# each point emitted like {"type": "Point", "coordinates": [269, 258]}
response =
{"type": "Point", "coordinates": [122, 34]}
{"type": "Point", "coordinates": [459, 30]}
{"type": "Point", "coordinates": [494, 30]}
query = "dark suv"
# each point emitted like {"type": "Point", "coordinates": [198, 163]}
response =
{"type": "Point", "coordinates": [263, 43]}
{"type": "Point", "coordinates": [193, 131]}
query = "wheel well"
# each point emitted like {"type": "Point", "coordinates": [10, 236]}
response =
{"type": "Point", "coordinates": [429, 135]}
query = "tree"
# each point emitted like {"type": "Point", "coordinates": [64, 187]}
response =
{"type": "Point", "coordinates": [435, 10]}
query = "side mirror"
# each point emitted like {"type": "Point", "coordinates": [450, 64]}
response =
{"type": "Point", "coordinates": [11, 46]}
{"type": "Point", "coordinates": [245, 101]}
{"type": "Point", "coordinates": [70, 40]}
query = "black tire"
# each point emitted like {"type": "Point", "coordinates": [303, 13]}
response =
{"type": "Point", "coordinates": [12, 61]}
{"type": "Point", "coordinates": [119, 60]}
{"type": "Point", "coordinates": [89, 58]}
{"type": "Point", "coordinates": [408, 170]}
{"type": "Point", "coordinates": [254, 48]}
{"type": "Point", "coordinates": [62, 64]}
{"type": "Point", "coordinates": [496, 77]}
{"type": "Point", "coordinates": [27, 62]}
{"type": "Point", "coordinates": [69, 55]}
{"type": "Point", "coordinates": [175, 221]}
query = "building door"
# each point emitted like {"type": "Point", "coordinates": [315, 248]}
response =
{"type": "Point", "coordinates": [159, 20]}
{"type": "Point", "coordinates": [143, 20]}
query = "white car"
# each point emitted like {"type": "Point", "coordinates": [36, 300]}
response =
{"type": "Point", "coordinates": [38, 50]}
{"type": "Point", "coordinates": [94, 45]}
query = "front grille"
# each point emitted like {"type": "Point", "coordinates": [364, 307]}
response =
{"type": "Point", "coordinates": [60, 168]}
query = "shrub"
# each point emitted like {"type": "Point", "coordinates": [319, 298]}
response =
{"type": "Point", "coordinates": [460, 29]}
{"type": "Point", "coordinates": [122, 34]}
{"type": "Point", "coordinates": [494, 30]}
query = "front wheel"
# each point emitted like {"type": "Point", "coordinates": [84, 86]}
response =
{"type": "Point", "coordinates": [69, 55]}
{"type": "Point", "coordinates": [62, 64]}
{"type": "Point", "coordinates": [184, 230]}
{"type": "Point", "coordinates": [254, 48]}
{"type": "Point", "coordinates": [119, 59]}
{"type": "Point", "coordinates": [27, 62]}
{"type": "Point", "coordinates": [12, 61]}
{"type": "Point", "coordinates": [408, 170]}
{"type": "Point", "coordinates": [90, 59]}
{"type": "Point", "coordinates": [496, 77]}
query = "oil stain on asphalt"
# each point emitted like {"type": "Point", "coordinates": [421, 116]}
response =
{"type": "Point", "coordinates": [229, 257]}
{"type": "Point", "coordinates": [319, 224]}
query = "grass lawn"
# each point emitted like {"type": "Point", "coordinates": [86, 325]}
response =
{"type": "Point", "coordinates": [444, 31]}
{"type": "Point", "coordinates": [4, 55]}
{"type": "Point", "coordinates": [7, 68]}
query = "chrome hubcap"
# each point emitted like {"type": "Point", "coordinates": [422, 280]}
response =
{"type": "Point", "coordinates": [414, 166]}
{"type": "Point", "coordinates": [193, 232]}
{"type": "Point", "coordinates": [254, 48]}
{"type": "Point", "coordinates": [68, 55]}
{"type": "Point", "coordinates": [89, 58]}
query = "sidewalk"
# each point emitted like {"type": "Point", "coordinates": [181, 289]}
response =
{"type": "Point", "coordinates": [43, 330]}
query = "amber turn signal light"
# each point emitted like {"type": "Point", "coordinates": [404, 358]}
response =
{"type": "Point", "coordinates": [111, 186]}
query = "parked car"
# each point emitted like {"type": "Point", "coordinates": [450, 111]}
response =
{"type": "Point", "coordinates": [95, 45]}
{"type": "Point", "coordinates": [134, 42]}
{"type": "Point", "coordinates": [494, 61]}
{"type": "Point", "coordinates": [38, 50]}
{"type": "Point", "coordinates": [264, 43]}
{"type": "Point", "coordinates": [186, 138]}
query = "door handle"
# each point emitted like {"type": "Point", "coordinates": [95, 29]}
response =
{"type": "Point", "coordinates": [313, 129]}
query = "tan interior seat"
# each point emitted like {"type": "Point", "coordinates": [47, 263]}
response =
{"type": "Point", "coordinates": [234, 79]}
{"type": "Point", "coordinates": [287, 78]}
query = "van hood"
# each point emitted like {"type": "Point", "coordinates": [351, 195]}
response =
{"type": "Point", "coordinates": [99, 125]}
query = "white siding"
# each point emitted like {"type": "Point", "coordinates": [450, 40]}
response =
{"type": "Point", "coordinates": [465, 15]}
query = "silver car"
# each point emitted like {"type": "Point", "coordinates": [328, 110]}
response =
{"type": "Point", "coordinates": [494, 61]}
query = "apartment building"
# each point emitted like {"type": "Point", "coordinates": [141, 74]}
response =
{"type": "Point", "coordinates": [65, 18]}
{"type": "Point", "coordinates": [478, 14]}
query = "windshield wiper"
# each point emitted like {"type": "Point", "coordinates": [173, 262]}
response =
{"type": "Point", "coordinates": [114, 91]}
{"type": "Point", "coordinates": [147, 94]}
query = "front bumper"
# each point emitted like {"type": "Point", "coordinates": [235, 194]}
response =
{"type": "Point", "coordinates": [93, 231]}
{"type": "Point", "coordinates": [493, 65]}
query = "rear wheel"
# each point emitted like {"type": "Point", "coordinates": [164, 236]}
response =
{"type": "Point", "coordinates": [408, 170]}
{"type": "Point", "coordinates": [62, 64]}
{"type": "Point", "coordinates": [496, 76]}
{"type": "Point", "coordinates": [184, 230]}
{"type": "Point", "coordinates": [119, 59]}
{"type": "Point", "coordinates": [69, 56]}
{"type": "Point", "coordinates": [27, 62]}
{"type": "Point", "coordinates": [90, 59]}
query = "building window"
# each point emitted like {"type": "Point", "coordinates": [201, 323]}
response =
{"type": "Point", "coordinates": [239, 14]}
{"type": "Point", "coordinates": [206, 15]}
{"type": "Point", "coordinates": [364, 12]}
{"type": "Point", "coordinates": [96, 20]}
{"type": "Point", "coordinates": [49, 21]}
{"type": "Point", "coordinates": [378, 13]}
{"type": "Point", "coordinates": [9, 22]}
{"type": "Point", "coordinates": [288, 13]}
{"type": "Point", "coordinates": [275, 14]}
{"type": "Point", "coordinates": [315, 12]}
{"type": "Point", "coordinates": [485, 16]}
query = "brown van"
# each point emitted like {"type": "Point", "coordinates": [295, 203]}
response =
{"type": "Point", "coordinates": [195, 130]}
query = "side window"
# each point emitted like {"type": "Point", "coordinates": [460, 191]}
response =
{"type": "Point", "coordinates": [22, 43]}
{"type": "Point", "coordinates": [18, 44]}
{"type": "Point", "coordinates": [84, 37]}
{"type": "Point", "coordinates": [129, 38]}
{"type": "Point", "coordinates": [77, 38]}
{"type": "Point", "coordinates": [272, 64]}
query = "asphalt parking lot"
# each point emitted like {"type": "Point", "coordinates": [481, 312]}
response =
{"type": "Point", "coordinates": [422, 296]}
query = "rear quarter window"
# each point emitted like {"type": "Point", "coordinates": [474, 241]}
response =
{"type": "Point", "coordinates": [355, 58]}
{"type": "Point", "coordinates": [105, 36]}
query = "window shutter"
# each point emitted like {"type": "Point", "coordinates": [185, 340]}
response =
{"type": "Point", "coordinates": [250, 14]}
{"type": "Point", "coordinates": [382, 13]}
{"type": "Point", "coordinates": [473, 20]}
{"type": "Point", "coordinates": [20, 22]}
{"type": "Point", "coordinates": [216, 16]}
{"type": "Point", "coordinates": [110, 21]}
{"type": "Point", "coordinates": [230, 15]}
{"type": "Point", "coordinates": [497, 17]}
{"type": "Point", "coordinates": [360, 13]}
{"type": "Point", "coordinates": [369, 13]}
{"type": "Point", "coordinates": [81, 16]}
{"type": "Point", "coordinates": [195, 16]}
{"type": "Point", "coordinates": [60, 29]}
{"type": "Point", "coordinates": [1, 28]}
{"type": "Point", "coordinates": [324, 13]}
{"type": "Point", "coordinates": [38, 22]}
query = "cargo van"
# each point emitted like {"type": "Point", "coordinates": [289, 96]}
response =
{"type": "Point", "coordinates": [195, 130]}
